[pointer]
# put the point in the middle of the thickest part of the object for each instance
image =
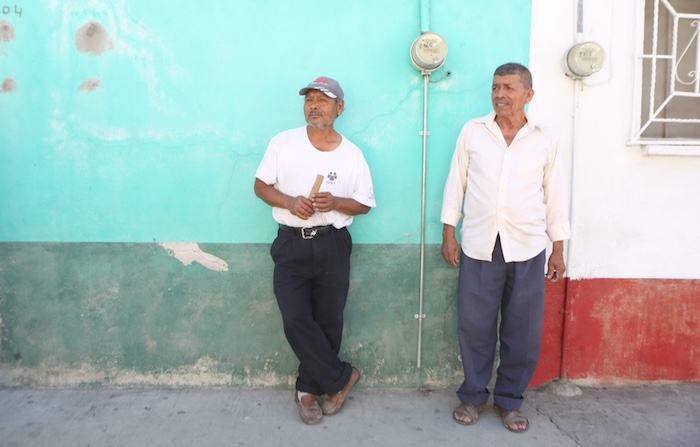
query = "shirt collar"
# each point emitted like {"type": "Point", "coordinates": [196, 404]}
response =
{"type": "Point", "coordinates": [490, 120]}
{"type": "Point", "coordinates": [491, 117]}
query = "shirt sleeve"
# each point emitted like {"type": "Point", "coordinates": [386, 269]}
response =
{"type": "Point", "coordinates": [456, 184]}
{"type": "Point", "coordinates": [364, 188]}
{"type": "Point", "coordinates": [267, 170]}
{"type": "Point", "coordinates": [556, 196]}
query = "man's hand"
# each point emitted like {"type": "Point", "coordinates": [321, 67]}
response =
{"type": "Point", "coordinates": [555, 266]}
{"type": "Point", "coordinates": [301, 207]}
{"type": "Point", "coordinates": [324, 202]}
{"type": "Point", "coordinates": [450, 249]}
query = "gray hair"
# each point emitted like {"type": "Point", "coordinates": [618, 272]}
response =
{"type": "Point", "coordinates": [515, 68]}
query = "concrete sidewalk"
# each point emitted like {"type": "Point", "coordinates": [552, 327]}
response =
{"type": "Point", "coordinates": [649, 415]}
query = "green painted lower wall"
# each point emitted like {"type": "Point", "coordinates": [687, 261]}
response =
{"type": "Point", "coordinates": [110, 314]}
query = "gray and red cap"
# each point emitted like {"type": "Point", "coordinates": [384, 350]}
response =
{"type": "Point", "coordinates": [328, 86]}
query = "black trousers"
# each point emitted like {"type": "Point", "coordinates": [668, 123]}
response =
{"type": "Point", "coordinates": [516, 289]}
{"type": "Point", "coordinates": [311, 281]}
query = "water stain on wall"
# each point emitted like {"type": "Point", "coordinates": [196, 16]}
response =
{"type": "Point", "coordinates": [7, 31]}
{"type": "Point", "coordinates": [89, 85]}
{"type": "Point", "coordinates": [8, 86]}
{"type": "Point", "coordinates": [92, 37]}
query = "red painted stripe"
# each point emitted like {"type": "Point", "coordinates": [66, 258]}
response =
{"type": "Point", "coordinates": [621, 330]}
{"type": "Point", "coordinates": [549, 363]}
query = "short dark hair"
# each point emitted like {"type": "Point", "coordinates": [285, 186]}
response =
{"type": "Point", "coordinates": [518, 69]}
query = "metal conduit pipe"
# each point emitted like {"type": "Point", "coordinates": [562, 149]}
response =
{"type": "Point", "coordinates": [424, 16]}
{"type": "Point", "coordinates": [424, 28]}
{"type": "Point", "coordinates": [565, 387]}
{"type": "Point", "coordinates": [427, 54]}
{"type": "Point", "coordinates": [420, 315]}
{"type": "Point", "coordinates": [578, 38]}
{"type": "Point", "coordinates": [567, 298]}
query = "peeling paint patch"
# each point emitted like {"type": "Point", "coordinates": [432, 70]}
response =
{"type": "Point", "coordinates": [188, 252]}
{"type": "Point", "coordinates": [92, 37]}
{"type": "Point", "coordinates": [89, 85]}
{"type": "Point", "coordinates": [8, 86]}
{"type": "Point", "coordinates": [7, 31]}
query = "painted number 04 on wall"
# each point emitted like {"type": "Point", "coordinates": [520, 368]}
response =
{"type": "Point", "coordinates": [7, 10]}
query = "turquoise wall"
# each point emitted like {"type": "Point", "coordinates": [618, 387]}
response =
{"type": "Point", "coordinates": [155, 135]}
{"type": "Point", "coordinates": [166, 147]}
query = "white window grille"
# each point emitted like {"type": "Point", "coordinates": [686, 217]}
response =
{"type": "Point", "coordinates": [668, 76]}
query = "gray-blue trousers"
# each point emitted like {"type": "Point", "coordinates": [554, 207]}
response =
{"type": "Point", "coordinates": [516, 289]}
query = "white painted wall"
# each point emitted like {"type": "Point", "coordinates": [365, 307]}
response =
{"type": "Point", "coordinates": [633, 216]}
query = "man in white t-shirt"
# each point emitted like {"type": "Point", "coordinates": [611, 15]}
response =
{"type": "Point", "coordinates": [316, 181]}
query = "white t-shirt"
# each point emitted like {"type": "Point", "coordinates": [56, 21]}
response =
{"type": "Point", "coordinates": [291, 164]}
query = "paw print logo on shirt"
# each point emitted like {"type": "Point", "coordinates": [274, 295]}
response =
{"type": "Point", "coordinates": [332, 176]}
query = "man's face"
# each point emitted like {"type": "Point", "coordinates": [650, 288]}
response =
{"type": "Point", "coordinates": [320, 110]}
{"type": "Point", "coordinates": [509, 95]}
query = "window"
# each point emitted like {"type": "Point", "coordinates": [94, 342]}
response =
{"type": "Point", "coordinates": [668, 72]}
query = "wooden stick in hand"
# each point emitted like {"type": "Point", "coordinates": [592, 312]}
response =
{"type": "Point", "coordinates": [317, 185]}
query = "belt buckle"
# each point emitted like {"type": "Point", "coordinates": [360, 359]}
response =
{"type": "Point", "coordinates": [308, 232]}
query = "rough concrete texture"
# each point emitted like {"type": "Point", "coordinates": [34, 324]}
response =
{"type": "Point", "coordinates": [205, 315]}
{"type": "Point", "coordinates": [650, 415]}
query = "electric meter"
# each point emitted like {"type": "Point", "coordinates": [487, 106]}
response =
{"type": "Point", "coordinates": [428, 52]}
{"type": "Point", "coordinates": [583, 60]}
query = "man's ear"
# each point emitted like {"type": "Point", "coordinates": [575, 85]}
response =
{"type": "Point", "coordinates": [341, 106]}
{"type": "Point", "coordinates": [528, 96]}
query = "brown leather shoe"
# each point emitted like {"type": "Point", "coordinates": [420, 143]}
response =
{"type": "Point", "coordinates": [334, 403]}
{"type": "Point", "coordinates": [309, 410]}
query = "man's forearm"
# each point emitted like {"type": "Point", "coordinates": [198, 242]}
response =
{"type": "Point", "coordinates": [558, 247]}
{"type": "Point", "coordinates": [351, 207]}
{"type": "Point", "coordinates": [270, 195]}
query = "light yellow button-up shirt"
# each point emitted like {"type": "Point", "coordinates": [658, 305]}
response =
{"type": "Point", "coordinates": [517, 191]}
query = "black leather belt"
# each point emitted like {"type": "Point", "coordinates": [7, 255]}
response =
{"type": "Point", "coordinates": [308, 232]}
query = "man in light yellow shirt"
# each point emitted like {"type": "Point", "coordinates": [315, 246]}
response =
{"type": "Point", "coordinates": [506, 185]}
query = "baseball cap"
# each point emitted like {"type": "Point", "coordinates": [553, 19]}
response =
{"type": "Point", "coordinates": [327, 85]}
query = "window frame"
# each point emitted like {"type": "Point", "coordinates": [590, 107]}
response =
{"type": "Point", "coordinates": [662, 146]}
